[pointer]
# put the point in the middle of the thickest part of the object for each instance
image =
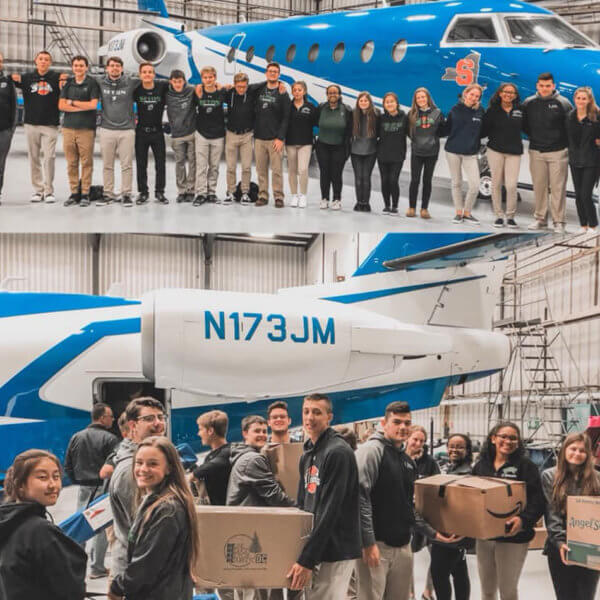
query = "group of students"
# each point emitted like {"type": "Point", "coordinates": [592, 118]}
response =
{"type": "Point", "coordinates": [365, 529]}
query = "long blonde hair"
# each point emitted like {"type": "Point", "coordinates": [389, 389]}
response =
{"type": "Point", "coordinates": [472, 86]}
{"type": "Point", "coordinates": [591, 108]}
{"type": "Point", "coordinates": [413, 113]}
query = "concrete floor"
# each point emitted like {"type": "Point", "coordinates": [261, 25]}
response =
{"type": "Point", "coordinates": [535, 583]}
{"type": "Point", "coordinates": [18, 214]}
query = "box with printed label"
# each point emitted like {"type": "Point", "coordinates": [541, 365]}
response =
{"type": "Point", "coordinates": [583, 531]}
{"type": "Point", "coordinates": [285, 462]}
{"type": "Point", "coordinates": [539, 539]}
{"type": "Point", "coordinates": [476, 507]}
{"type": "Point", "coordinates": [247, 546]}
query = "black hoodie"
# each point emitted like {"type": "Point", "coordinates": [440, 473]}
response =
{"type": "Point", "coordinates": [37, 560]}
{"type": "Point", "coordinates": [393, 130]}
{"type": "Point", "coordinates": [8, 103]}
{"type": "Point", "coordinates": [544, 121]}
{"type": "Point", "coordinates": [582, 136]}
{"type": "Point", "coordinates": [329, 489]}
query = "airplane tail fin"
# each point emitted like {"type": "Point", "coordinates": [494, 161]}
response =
{"type": "Point", "coordinates": [154, 6]}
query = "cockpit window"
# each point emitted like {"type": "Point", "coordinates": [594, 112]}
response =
{"type": "Point", "coordinates": [472, 29]}
{"type": "Point", "coordinates": [546, 31]}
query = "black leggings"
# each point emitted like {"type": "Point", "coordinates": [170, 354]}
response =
{"type": "Point", "coordinates": [331, 159]}
{"type": "Point", "coordinates": [363, 167]}
{"type": "Point", "coordinates": [570, 582]}
{"type": "Point", "coordinates": [446, 562]}
{"type": "Point", "coordinates": [418, 164]}
{"type": "Point", "coordinates": [390, 188]}
{"type": "Point", "coordinates": [144, 141]}
{"type": "Point", "coordinates": [583, 180]}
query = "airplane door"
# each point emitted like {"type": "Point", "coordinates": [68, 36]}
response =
{"type": "Point", "coordinates": [231, 56]}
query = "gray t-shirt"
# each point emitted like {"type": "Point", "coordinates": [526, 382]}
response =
{"type": "Point", "coordinates": [181, 111]}
{"type": "Point", "coordinates": [85, 91]}
{"type": "Point", "coordinates": [116, 96]}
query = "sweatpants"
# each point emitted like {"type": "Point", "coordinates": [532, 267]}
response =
{"type": "Point", "coordinates": [505, 170]}
{"type": "Point", "coordinates": [418, 165]}
{"type": "Point", "coordinates": [113, 143]}
{"type": "Point", "coordinates": [571, 582]}
{"type": "Point", "coordinates": [238, 146]}
{"type": "Point", "coordinates": [390, 187]}
{"type": "Point", "coordinates": [391, 579]}
{"type": "Point", "coordinates": [41, 147]}
{"type": "Point", "coordinates": [298, 159]}
{"type": "Point", "coordinates": [499, 565]}
{"type": "Point", "coordinates": [457, 164]}
{"type": "Point", "coordinates": [584, 179]}
{"type": "Point", "coordinates": [363, 167]}
{"type": "Point", "coordinates": [143, 142]}
{"type": "Point", "coordinates": [78, 145]}
{"type": "Point", "coordinates": [330, 580]}
{"type": "Point", "coordinates": [549, 169]}
{"type": "Point", "coordinates": [331, 159]}
{"type": "Point", "coordinates": [208, 158]}
{"type": "Point", "coordinates": [6, 137]}
{"type": "Point", "coordinates": [184, 149]}
{"type": "Point", "coordinates": [449, 562]}
{"type": "Point", "coordinates": [266, 156]}
{"type": "Point", "coordinates": [99, 543]}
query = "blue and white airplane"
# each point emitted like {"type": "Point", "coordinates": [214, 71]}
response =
{"type": "Point", "coordinates": [415, 318]}
{"type": "Point", "coordinates": [442, 45]}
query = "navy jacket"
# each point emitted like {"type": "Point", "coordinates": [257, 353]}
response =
{"type": "Point", "coordinates": [464, 129]}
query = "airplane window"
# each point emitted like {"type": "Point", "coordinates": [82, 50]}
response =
{"type": "Point", "coordinates": [399, 50]}
{"type": "Point", "coordinates": [270, 54]}
{"type": "Point", "coordinates": [313, 53]}
{"type": "Point", "coordinates": [291, 53]}
{"type": "Point", "coordinates": [250, 54]}
{"type": "Point", "coordinates": [548, 31]}
{"type": "Point", "coordinates": [366, 52]}
{"type": "Point", "coordinates": [338, 52]}
{"type": "Point", "coordinates": [231, 55]}
{"type": "Point", "coordinates": [472, 29]}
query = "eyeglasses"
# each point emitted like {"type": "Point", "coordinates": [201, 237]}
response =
{"type": "Point", "coordinates": [152, 418]}
{"type": "Point", "coordinates": [508, 93]}
{"type": "Point", "coordinates": [508, 438]}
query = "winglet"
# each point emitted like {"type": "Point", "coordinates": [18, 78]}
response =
{"type": "Point", "coordinates": [154, 6]}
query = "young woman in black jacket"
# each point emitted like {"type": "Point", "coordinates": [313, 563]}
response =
{"type": "Point", "coordinates": [500, 561]}
{"type": "Point", "coordinates": [391, 150]}
{"type": "Point", "coordinates": [583, 128]}
{"type": "Point", "coordinates": [37, 560]}
{"type": "Point", "coordinates": [164, 539]}
{"type": "Point", "coordinates": [574, 475]}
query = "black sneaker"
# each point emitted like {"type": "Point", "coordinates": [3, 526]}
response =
{"type": "Point", "coordinates": [181, 198]}
{"type": "Point", "coordinates": [357, 207]}
{"type": "Point", "coordinates": [228, 199]}
{"type": "Point", "coordinates": [458, 219]}
{"type": "Point", "coordinates": [85, 200]}
{"type": "Point", "coordinates": [104, 200]}
{"type": "Point", "coordinates": [394, 210]}
{"type": "Point", "coordinates": [386, 210]}
{"type": "Point", "coordinates": [160, 197]}
{"type": "Point", "coordinates": [189, 197]}
{"type": "Point", "coordinates": [73, 199]}
{"type": "Point", "coordinates": [127, 201]}
{"type": "Point", "coordinates": [511, 223]}
{"type": "Point", "coordinates": [212, 198]}
{"type": "Point", "coordinates": [499, 223]}
{"type": "Point", "coordinates": [141, 199]}
{"type": "Point", "coordinates": [470, 220]}
{"type": "Point", "coordinates": [366, 207]}
{"type": "Point", "coordinates": [199, 199]}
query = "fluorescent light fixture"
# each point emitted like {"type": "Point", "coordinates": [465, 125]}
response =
{"type": "Point", "coordinates": [453, 4]}
{"type": "Point", "coordinates": [262, 235]}
{"type": "Point", "coordinates": [485, 10]}
{"type": "Point", "coordinates": [357, 14]}
{"type": "Point", "coordinates": [319, 26]}
{"type": "Point", "coordinates": [420, 18]}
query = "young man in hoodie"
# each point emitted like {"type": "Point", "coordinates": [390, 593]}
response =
{"type": "Point", "coordinates": [8, 117]}
{"type": "Point", "coordinates": [329, 489]}
{"type": "Point", "coordinates": [545, 123]}
{"type": "Point", "coordinates": [145, 417]}
{"type": "Point", "coordinates": [117, 130]}
{"type": "Point", "coordinates": [181, 113]}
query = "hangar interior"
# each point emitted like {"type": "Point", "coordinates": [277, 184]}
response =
{"type": "Point", "coordinates": [549, 306]}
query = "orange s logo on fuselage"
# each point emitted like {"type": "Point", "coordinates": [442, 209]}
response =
{"type": "Point", "coordinates": [466, 70]}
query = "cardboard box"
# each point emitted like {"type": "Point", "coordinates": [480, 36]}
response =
{"type": "Point", "coordinates": [539, 539]}
{"type": "Point", "coordinates": [285, 462]}
{"type": "Point", "coordinates": [583, 527]}
{"type": "Point", "coordinates": [476, 507]}
{"type": "Point", "coordinates": [246, 546]}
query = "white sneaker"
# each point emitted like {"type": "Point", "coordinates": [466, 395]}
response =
{"type": "Point", "coordinates": [49, 199]}
{"type": "Point", "coordinates": [584, 230]}
{"type": "Point", "coordinates": [245, 199]}
{"type": "Point", "coordinates": [301, 201]}
{"type": "Point", "coordinates": [36, 197]}
{"type": "Point", "coordinates": [536, 225]}
{"type": "Point", "coordinates": [228, 199]}
{"type": "Point", "coordinates": [324, 204]}
{"type": "Point", "coordinates": [294, 201]}
{"type": "Point", "coordinates": [560, 228]}
{"type": "Point", "coordinates": [336, 205]}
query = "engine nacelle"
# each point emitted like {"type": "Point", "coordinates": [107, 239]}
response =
{"type": "Point", "coordinates": [137, 46]}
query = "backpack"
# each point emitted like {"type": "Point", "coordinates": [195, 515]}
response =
{"type": "Point", "coordinates": [252, 192]}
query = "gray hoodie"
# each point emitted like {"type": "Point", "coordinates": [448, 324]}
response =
{"type": "Point", "coordinates": [251, 482]}
{"type": "Point", "coordinates": [116, 96]}
{"type": "Point", "coordinates": [181, 111]}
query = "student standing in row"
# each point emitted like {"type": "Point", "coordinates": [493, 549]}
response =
{"type": "Point", "coordinates": [502, 125]}
{"type": "Point", "coordinates": [391, 151]}
{"type": "Point", "coordinates": [425, 123]}
{"type": "Point", "coordinates": [574, 475]}
{"type": "Point", "coordinates": [583, 129]}
{"type": "Point", "coordinates": [298, 143]}
{"type": "Point", "coordinates": [463, 127]}
{"type": "Point", "coordinates": [79, 101]}
{"type": "Point", "coordinates": [8, 117]}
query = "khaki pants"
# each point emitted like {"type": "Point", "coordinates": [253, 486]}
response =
{"type": "Point", "coordinates": [41, 147]}
{"type": "Point", "coordinates": [266, 156]}
{"type": "Point", "coordinates": [298, 159]}
{"type": "Point", "coordinates": [78, 145]}
{"type": "Point", "coordinates": [115, 143]}
{"type": "Point", "coordinates": [500, 565]}
{"type": "Point", "coordinates": [208, 157]}
{"type": "Point", "coordinates": [391, 580]}
{"type": "Point", "coordinates": [549, 168]}
{"type": "Point", "coordinates": [505, 170]}
{"type": "Point", "coordinates": [458, 163]}
{"type": "Point", "coordinates": [238, 144]}
{"type": "Point", "coordinates": [184, 149]}
{"type": "Point", "coordinates": [330, 580]}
